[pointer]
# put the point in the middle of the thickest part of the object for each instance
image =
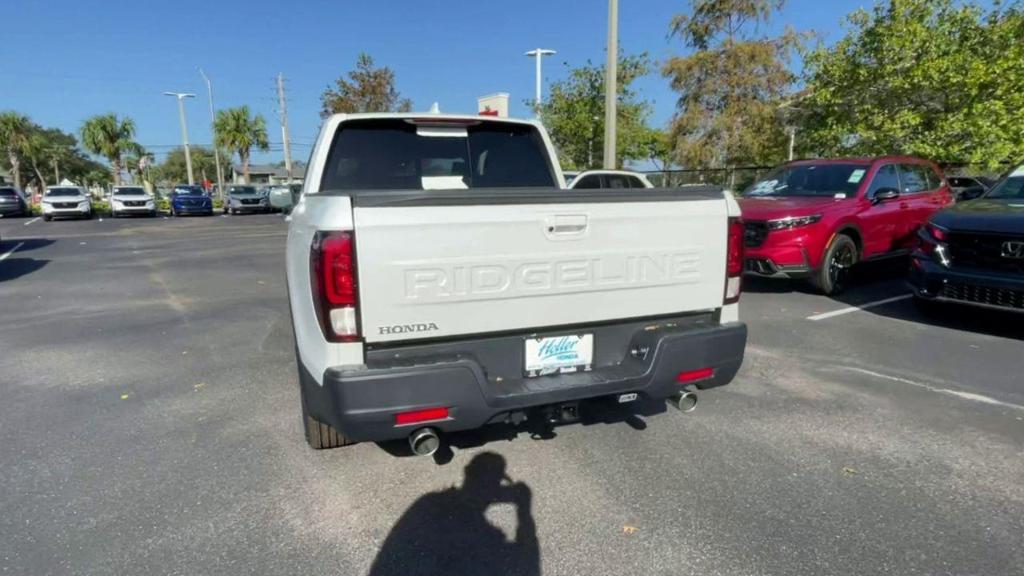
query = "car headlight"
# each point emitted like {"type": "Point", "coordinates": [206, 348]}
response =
{"type": "Point", "coordinates": [793, 222]}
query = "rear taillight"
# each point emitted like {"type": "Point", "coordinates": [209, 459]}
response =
{"type": "Point", "coordinates": [734, 262]}
{"type": "Point", "coordinates": [333, 267]}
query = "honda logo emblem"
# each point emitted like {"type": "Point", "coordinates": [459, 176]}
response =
{"type": "Point", "coordinates": [1013, 249]}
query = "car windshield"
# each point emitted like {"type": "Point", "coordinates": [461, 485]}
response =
{"type": "Point", "coordinates": [129, 192]}
{"type": "Point", "coordinates": [8, 192]}
{"type": "Point", "coordinates": [810, 180]}
{"type": "Point", "coordinates": [394, 154]}
{"type": "Point", "coordinates": [63, 192]}
{"type": "Point", "coordinates": [190, 190]}
{"type": "Point", "coordinates": [242, 190]}
{"type": "Point", "coordinates": [1011, 188]}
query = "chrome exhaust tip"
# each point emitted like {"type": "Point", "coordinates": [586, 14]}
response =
{"type": "Point", "coordinates": [683, 401]}
{"type": "Point", "coordinates": [424, 442]}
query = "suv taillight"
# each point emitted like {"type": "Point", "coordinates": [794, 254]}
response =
{"type": "Point", "coordinates": [335, 290]}
{"type": "Point", "coordinates": [734, 262]}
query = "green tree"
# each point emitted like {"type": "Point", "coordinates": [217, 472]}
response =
{"type": "Point", "coordinates": [239, 131]}
{"type": "Point", "coordinates": [367, 89]}
{"type": "Point", "coordinates": [732, 84]}
{"type": "Point", "coordinates": [43, 148]}
{"type": "Point", "coordinates": [934, 78]}
{"type": "Point", "coordinates": [110, 137]}
{"type": "Point", "coordinates": [136, 165]}
{"type": "Point", "coordinates": [574, 114]}
{"type": "Point", "coordinates": [14, 134]}
{"type": "Point", "coordinates": [174, 170]}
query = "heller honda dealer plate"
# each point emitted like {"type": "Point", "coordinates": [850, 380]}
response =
{"type": "Point", "coordinates": [559, 354]}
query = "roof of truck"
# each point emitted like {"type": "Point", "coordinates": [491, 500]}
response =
{"type": "Point", "coordinates": [428, 117]}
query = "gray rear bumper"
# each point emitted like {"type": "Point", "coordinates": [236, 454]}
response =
{"type": "Point", "coordinates": [481, 381]}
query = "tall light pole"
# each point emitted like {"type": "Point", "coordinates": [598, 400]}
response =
{"type": "Point", "coordinates": [213, 132]}
{"type": "Point", "coordinates": [610, 84]}
{"type": "Point", "coordinates": [539, 54]}
{"type": "Point", "coordinates": [184, 130]}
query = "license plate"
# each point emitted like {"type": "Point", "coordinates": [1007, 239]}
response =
{"type": "Point", "coordinates": [559, 354]}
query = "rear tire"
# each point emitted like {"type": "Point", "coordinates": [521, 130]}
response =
{"type": "Point", "coordinates": [833, 276]}
{"type": "Point", "coordinates": [320, 436]}
{"type": "Point", "coordinates": [47, 217]}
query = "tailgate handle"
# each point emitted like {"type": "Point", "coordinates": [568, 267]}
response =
{"type": "Point", "coordinates": [567, 224]}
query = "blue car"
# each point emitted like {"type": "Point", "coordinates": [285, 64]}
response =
{"type": "Point", "coordinates": [187, 199]}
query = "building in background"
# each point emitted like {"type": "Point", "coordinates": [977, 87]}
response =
{"type": "Point", "coordinates": [268, 174]}
{"type": "Point", "coordinates": [493, 105]}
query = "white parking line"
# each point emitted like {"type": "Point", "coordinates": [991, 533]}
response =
{"type": "Point", "coordinates": [851, 309]}
{"type": "Point", "coordinates": [32, 220]}
{"type": "Point", "coordinates": [11, 251]}
{"type": "Point", "coordinates": [964, 395]}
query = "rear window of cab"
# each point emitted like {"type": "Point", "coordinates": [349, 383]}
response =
{"type": "Point", "coordinates": [400, 154]}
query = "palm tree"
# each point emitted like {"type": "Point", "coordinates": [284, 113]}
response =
{"type": "Point", "coordinates": [111, 138]}
{"type": "Point", "coordinates": [39, 152]}
{"type": "Point", "coordinates": [137, 164]}
{"type": "Point", "coordinates": [14, 134]}
{"type": "Point", "coordinates": [238, 131]}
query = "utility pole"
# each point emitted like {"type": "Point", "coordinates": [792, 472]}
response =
{"type": "Point", "coordinates": [792, 141]}
{"type": "Point", "coordinates": [184, 131]}
{"type": "Point", "coordinates": [213, 132]}
{"type": "Point", "coordinates": [284, 126]}
{"type": "Point", "coordinates": [538, 53]}
{"type": "Point", "coordinates": [611, 90]}
{"type": "Point", "coordinates": [56, 172]}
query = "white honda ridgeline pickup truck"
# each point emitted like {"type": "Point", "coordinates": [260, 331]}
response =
{"type": "Point", "coordinates": [441, 278]}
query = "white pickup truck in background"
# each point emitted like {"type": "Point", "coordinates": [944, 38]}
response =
{"type": "Point", "coordinates": [441, 278]}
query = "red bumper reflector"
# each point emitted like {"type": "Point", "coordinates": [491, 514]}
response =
{"type": "Point", "coordinates": [695, 375]}
{"type": "Point", "coordinates": [425, 415]}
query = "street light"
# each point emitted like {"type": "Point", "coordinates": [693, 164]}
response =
{"type": "Point", "coordinates": [184, 130]}
{"type": "Point", "coordinates": [610, 88]}
{"type": "Point", "coordinates": [538, 53]}
{"type": "Point", "coordinates": [213, 132]}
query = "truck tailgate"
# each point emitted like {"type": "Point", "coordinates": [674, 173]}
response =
{"type": "Point", "coordinates": [432, 271]}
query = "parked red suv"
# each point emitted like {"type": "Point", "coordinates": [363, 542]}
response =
{"type": "Point", "coordinates": [815, 219]}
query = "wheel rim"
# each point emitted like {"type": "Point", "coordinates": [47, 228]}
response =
{"type": "Point", "coordinates": [839, 266]}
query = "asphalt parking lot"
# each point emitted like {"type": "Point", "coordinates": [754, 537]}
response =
{"type": "Point", "coordinates": [149, 424]}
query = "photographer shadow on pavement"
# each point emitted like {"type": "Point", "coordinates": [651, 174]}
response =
{"type": "Point", "coordinates": [447, 532]}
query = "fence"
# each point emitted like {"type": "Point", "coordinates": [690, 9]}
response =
{"type": "Point", "coordinates": [736, 178]}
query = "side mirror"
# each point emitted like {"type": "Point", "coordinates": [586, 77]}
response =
{"type": "Point", "coordinates": [885, 195]}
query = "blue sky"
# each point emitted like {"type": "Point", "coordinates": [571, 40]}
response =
{"type": "Point", "coordinates": [67, 59]}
